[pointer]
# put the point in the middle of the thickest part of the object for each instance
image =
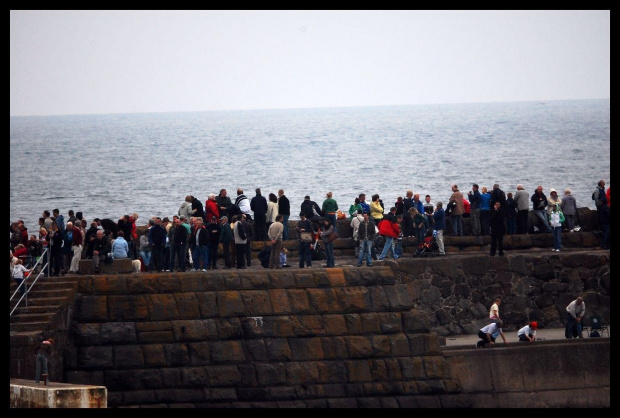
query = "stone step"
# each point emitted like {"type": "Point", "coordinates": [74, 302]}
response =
{"type": "Point", "coordinates": [36, 309]}
{"type": "Point", "coordinates": [28, 326]}
{"type": "Point", "coordinates": [32, 317]}
{"type": "Point", "coordinates": [35, 292]}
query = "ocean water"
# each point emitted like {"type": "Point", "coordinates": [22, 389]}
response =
{"type": "Point", "coordinates": [110, 165]}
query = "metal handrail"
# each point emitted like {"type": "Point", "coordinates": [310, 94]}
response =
{"type": "Point", "coordinates": [23, 283]}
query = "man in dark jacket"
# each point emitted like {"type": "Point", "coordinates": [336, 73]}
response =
{"type": "Point", "coordinates": [249, 234]}
{"type": "Point", "coordinates": [197, 205]}
{"type": "Point", "coordinates": [178, 247]}
{"type": "Point", "coordinates": [311, 209]}
{"type": "Point", "coordinates": [101, 249]}
{"type": "Point", "coordinates": [284, 209]}
{"type": "Point", "coordinates": [157, 239]}
{"type": "Point", "coordinates": [226, 236]}
{"type": "Point", "coordinates": [215, 230]}
{"type": "Point", "coordinates": [258, 204]}
{"type": "Point", "coordinates": [539, 206]}
{"type": "Point", "coordinates": [224, 203]}
{"type": "Point", "coordinates": [497, 220]}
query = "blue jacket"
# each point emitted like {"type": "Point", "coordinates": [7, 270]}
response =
{"type": "Point", "coordinates": [440, 220]}
{"type": "Point", "coordinates": [474, 199]}
{"type": "Point", "coordinates": [120, 248]}
{"type": "Point", "coordinates": [485, 201]}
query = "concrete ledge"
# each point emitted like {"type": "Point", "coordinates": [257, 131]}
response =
{"type": "Point", "coordinates": [121, 265]}
{"type": "Point", "coordinates": [27, 394]}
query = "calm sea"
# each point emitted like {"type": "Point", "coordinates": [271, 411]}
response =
{"type": "Point", "coordinates": [110, 165]}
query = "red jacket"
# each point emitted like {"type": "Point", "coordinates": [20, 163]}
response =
{"type": "Point", "coordinates": [211, 209]}
{"type": "Point", "coordinates": [390, 229]}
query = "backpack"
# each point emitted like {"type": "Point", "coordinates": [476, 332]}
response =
{"type": "Point", "coordinates": [318, 253]}
{"type": "Point", "coordinates": [594, 334]}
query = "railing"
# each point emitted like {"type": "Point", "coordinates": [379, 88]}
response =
{"type": "Point", "coordinates": [23, 283]}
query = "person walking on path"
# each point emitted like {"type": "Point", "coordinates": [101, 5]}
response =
{"type": "Point", "coordinates": [494, 311]}
{"type": "Point", "coordinates": [43, 353]}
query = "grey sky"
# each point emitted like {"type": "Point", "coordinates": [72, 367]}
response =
{"type": "Point", "coordinates": [82, 62]}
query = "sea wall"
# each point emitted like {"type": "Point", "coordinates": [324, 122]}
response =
{"type": "Point", "coordinates": [341, 337]}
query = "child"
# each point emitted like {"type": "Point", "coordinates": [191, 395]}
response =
{"type": "Point", "coordinates": [283, 254]}
{"type": "Point", "coordinates": [556, 219]}
{"type": "Point", "coordinates": [18, 274]}
{"type": "Point", "coordinates": [528, 332]}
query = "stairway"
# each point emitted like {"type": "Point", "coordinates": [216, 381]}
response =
{"type": "Point", "coordinates": [44, 313]}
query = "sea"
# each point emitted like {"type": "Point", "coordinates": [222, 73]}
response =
{"type": "Point", "coordinates": [109, 165]}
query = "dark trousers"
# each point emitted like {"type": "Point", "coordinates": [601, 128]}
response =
{"type": "Point", "coordinates": [574, 328]}
{"type": "Point", "coordinates": [305, 254]}
{"type": "Point", "coordinates": [485, 228]}
{"type": "Point", "coordinates": [213, 247]}
{"type": "Point", "coordinates": [260, 225]}
{"type": "Point", "coordinates": [247, 250]}
{"type": "Point", "coordinates": [177, 252]}
{"type": "Point", "coordinates": [58, 261]}
{"type": "Point", "coordinates": [226, 253]}
{"type": "Point", "coordinates": [240, 248]}
{"type": "Point", "coordinates": [522, 221]}
{"type": "Point", "coordinates": [497, 242]}
{"type": "Point", "coordinates": [157, 259]}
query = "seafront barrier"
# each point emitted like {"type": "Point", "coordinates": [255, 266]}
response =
{"type": "Point", "coordinates": [341, 337]}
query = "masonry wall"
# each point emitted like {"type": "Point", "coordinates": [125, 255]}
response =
{"type": "Point", "coordinates": [304, 338]}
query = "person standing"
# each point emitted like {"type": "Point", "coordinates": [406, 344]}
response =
{"type": "Point", "coordinates": [43, 353]}
{"type": "Point", "coordinates": [528, 332]}
{"type": "Point", "coordinates": [390, 230]}
{"type": "Point", "coordinates": [365, 206]}
{"type": "Point", "coordinates": [376, 209]}
{"type": "Point", "coordinates": [200, 242]}
{"type": "Point", "coordinates": [186, 207]}
{"type": "Point", "coordinates": [276, 229]}
{"type": "Point", "coordinates": [311, 209]}
{"type": "Point", "coordinates": [241, 241]}
{"type": "Point", "coordinates": [522, 199]}
{"type": "Point", "coordinates": [366, 236]}
{"type": "Point", "coordinates": [157, 238]}
{"type": "Point", "coordinates": [355, 224]}
{"type": "Point", "coordinates": [249, 231]}
{"type": "Point", "coordinates": [497, 220]}
{"type": "Point", "coordinates": [553, 200]}
{"type": "Point", "coordinates": [576, 310]}
{"type": "Point", "coordinates": [439, 224]}
{"type": "Point", "coordinates": [211, 208]}
{"type": "Point", "coordinates": [602, 209]}
{"type": "Point", "coordinates": [197, 208]}
{"type": "Point", "coordinates": [329, 209]}
{"type": "Point", "coordinates": [498, 195]}
{"type": "Point", "coordinates": [259, 206]}
{"type": "Point", "coordinates": [305, 247]}
{"type": "Point", "coordinates": [272, 210]}
{"type": "Point", "coordinates": [511, 214]}
{"type": "Point", "coordinates": [556, 219]}
{"type": "Point", "coordinates": [539, 205]}
{"type": "Point", "coordinates": [76, 246]}
{"type": "Point", "coordinates": [178, 245]}
{"type": "Point", "coordinates": [223, 203]}
{"type": "Point", "coordinates": [226, 236]}
{"type": "Point", "coordinates": [18, 275]}
{"type": "Point", "coordinates": [494, 311]}
{"type": "Point", "coordinates": [60, 220]}
{"type": "Point", "coordinates": [284, 209]}
{"type": "Point", "coordinates": [67, 252]}
{"type": "Point", "coordinates": [56, 243]}
{"type": "Point", "coordinates": [214, 230]}
{"type": "Point", "coordinates": [354, 208]}
{"type": "Point", "coordinates": [485, 211]}
{"type": "Point", "coordinates": [457, 211]}
{"type": "Point", "coordinates": [326, 230]}
{"type": "Point", "coordinates": [474, 199]}
{"type": "Point", "coordinates": [243, 203]}
{"type": "Point", "coordinates": [569, 209]}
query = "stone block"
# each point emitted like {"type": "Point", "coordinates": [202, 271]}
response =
{"type": "Point", "coordinates": [118, 265]}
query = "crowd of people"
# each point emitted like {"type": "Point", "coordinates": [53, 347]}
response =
{"type": "Point", "coordinates": [189, 240]}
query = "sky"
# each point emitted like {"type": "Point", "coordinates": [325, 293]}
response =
{"type": "Point", "coordinates": [94, 62]}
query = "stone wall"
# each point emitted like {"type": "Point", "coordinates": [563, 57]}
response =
{"type": "Point", "coordinates": [311, 338]}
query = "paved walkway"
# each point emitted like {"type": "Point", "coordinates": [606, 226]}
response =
{"type": "Point", "coordinates": [547, 334]}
